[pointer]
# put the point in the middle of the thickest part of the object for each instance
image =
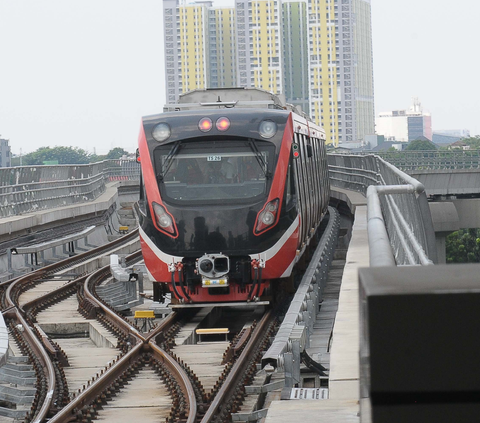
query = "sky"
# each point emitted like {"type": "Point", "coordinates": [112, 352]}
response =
{"type": "Point", "coordinates": [83, 73]}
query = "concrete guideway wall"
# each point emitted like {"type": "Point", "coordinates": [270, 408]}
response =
{"type": "Point", "coordinates": [13, 224]}
{"type": "Point", "coordinates": [32, 188]}
{"type": "Point", "coordinates": [19, 225]}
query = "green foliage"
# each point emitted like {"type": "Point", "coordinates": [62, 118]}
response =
{"type": "Point", "coordinates": [113, 154]}
{"type": "Point", "coordinates": [421, 145]}
{"type": "Point", "coordinates": [64, 155]}
{"type": "Point", "coordinates": [463, 246]}
{"type": "Point", "coordinates": [473, 142]}
{"type": "Point", "coordinates": [116, 153]}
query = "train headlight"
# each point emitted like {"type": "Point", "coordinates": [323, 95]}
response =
{"type": "Point", "coordinates": [267, 217]}
{"type": "Point", "coordinates": [163, 219]}
{"type": "Point", "coordinates": [161, 132]}
{"type": "Point", "coordinates": [267, 128]}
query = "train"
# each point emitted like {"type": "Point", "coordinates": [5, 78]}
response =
{"type": "Point", "coordinates": [234, 185]}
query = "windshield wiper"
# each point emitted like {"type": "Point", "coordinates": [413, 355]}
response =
{"type": "Point", "coordinates": [169, 160]}
{"type": "Point", "coordinates": [260, 158]}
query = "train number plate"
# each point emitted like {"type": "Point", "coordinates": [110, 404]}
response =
{"type": "Point", "coordinates": [214, 158]}
{"type": "Point", "coordinates": [211, 283]}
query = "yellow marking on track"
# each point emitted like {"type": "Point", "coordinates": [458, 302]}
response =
{"type": "Point", "coordinates": [211, 331]}
{"type": "Point", "coordinates": [144, 314]}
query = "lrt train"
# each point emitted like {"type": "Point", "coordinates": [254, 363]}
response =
{"type": "Point", "coordinates": [234, 187]}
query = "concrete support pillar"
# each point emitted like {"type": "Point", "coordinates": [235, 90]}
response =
{"type": "Point", "coordinates": [445, 221]}
{"type": "Point", "coordinates": [441, 242]}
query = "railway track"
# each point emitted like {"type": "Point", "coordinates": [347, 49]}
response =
{"type": "Point", "coordinates": [122, 373]}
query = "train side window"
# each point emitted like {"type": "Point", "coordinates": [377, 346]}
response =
{"type": "Point", "coordinates": [290, 187]}
{"type": "Point", "coordinates": [309, 150]}
{"type": "Point", "coordinates": [142, 202]}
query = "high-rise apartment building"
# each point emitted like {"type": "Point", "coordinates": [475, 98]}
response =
{"type": "Point", "coordinates": [363, 56]}
{"type": "Point", "coordinates": [187, 55]}
{"type": "Point", "coordinates": [295, 54]}
{"type": "Point", "coordinates": [259, 41]}
{"type": "Point", "coordinates": [221, 33]}
{"type": "Point", "coordinates": [341, 72]}
{"type": "Point", "coordinates": [318, 53]}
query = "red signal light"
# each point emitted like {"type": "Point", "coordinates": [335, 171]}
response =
{"type": "Point", "coordinates": [296, 154]}
{"type": "Point", "coordinates": [223, 124]}
{"type": "Point", "coordinates": [205, 124]}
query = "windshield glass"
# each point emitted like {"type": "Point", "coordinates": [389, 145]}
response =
{"type": "Point", "coordinates": [210, 171]}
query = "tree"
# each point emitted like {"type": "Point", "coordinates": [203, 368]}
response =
{"type": "Point", "coordinates": [473, 142]}
{"type": "Point", "coordinates": [421, 145]}
{"type": "Point", "coordinates": [64, 155]}
{"type": "Point", "coordinates": [463, 246]}
{"type": "Point", "coordinates": [116, 153]}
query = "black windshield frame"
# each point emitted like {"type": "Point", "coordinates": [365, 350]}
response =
{"type": "Point", "coordinates": [241, 191]}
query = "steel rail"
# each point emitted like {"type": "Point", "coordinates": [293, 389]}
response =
{"type": "Point", "coordinates": [144, 344]}
{"type": "Point", "coordinates": [88, 292]}
{"type": "Point", "coordinates": [44, 358]}
{"type": "Point", "coordinates": [239, 368]}
{"type": "Point", "coordinates": [181, 378]}
{"type": "Point", "coordinates": [99, 385]}
{"type": "Point", "coordinates": [69, 286]}
{"type": "Point", "coordinates": [16, 284]}
{"type": "Point", "coordinates": [17, 312]}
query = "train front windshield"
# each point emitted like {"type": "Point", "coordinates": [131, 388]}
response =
{"type": "Point", "coordinates": [214, 171]}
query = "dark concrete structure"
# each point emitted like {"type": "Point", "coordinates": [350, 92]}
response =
{"type": "Point", "coordinates": [419, 344]}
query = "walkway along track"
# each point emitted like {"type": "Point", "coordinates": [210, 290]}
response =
{"type": "Point", "coordinates": [189, 401]}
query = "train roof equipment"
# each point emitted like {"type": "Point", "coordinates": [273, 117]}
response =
{"type": "Point", "coordinates": [240, 97]}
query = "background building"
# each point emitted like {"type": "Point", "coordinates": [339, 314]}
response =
{"type": "Point", "coordinates": [318, 53]}
{"type": "Point", "coordinates": [5, 153]}
{"type": "Point", "coordinates": [187, 56]}
{"type": "Point", "coordinates": [341, 68]}
{"type": "Point", "coordinates": [222, 47]}
{"type": "Point", "coordinates": [461, 133]}
{"type": "Point", "coordinates": [295, 54]}
{"type": "Point", "coordinates": [444, 138]}
{"type": "Point", "coordinates": [405, 125]}
{"type": "Point", "coordinates": [260, 44]}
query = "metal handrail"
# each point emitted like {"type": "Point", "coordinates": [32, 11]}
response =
{"type": "Point", "coordinates": [400, 227]}
{"type": "Point", "coordinates": [431, 160]}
